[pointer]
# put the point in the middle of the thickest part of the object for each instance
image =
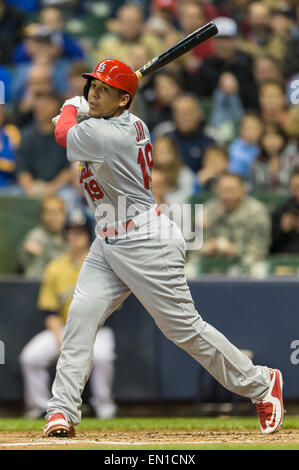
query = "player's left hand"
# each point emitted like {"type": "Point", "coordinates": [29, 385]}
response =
{"type": "Point", "coordinates": [55, 119]}
{"type": "Point", "coordinates": [80, 103]}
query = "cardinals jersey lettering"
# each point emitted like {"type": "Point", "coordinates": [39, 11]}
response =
{"type": "Point", "coordinates": [115, 158]}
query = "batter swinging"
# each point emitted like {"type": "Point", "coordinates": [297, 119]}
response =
{"type": "Point", "coordinates": [142, 252]}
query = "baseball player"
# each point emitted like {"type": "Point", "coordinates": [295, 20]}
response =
{"type": "Point", "coordinates": [137, 249]}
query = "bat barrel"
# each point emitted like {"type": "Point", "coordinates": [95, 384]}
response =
{"type": "Point", "coordinates": [182, 47]}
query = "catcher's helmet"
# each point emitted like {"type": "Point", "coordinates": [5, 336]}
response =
{"type": "Point", "coordinates": [114, 73]}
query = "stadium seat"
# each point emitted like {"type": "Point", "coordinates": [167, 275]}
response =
{"type": "Point", "coordinates": [283, 265]}
{"type": "Point", "coordinates": [271, 199]}
{"type": "Point", "coordinates": [216, 264]}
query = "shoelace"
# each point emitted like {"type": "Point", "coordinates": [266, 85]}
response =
{"type": "Point", "coordinates": [262, 410]}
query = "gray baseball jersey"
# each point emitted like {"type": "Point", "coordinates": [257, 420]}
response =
{"type": "Point", "coordinates": [115, 162]}
{"type": "Point", "coordinates": [116, 157]}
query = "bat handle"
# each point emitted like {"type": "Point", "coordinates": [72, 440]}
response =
{"type": "Point", "coordinates": [139, 74]}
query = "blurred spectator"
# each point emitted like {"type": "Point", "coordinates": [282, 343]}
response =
{"type": "Point", "coordinates": [282, 20]}
{"type": "Point", "coordinates": [173, 208]}
{"type": "Point", "coordinates": [192, 16]}
{"type": "Point", "coordinates": [265, 69]}
{"type": "Point", "coordinates": [238, 9]}
{"type": "Point", "coordinates": [273, 102]}
{"type": "Point", "coordinates": [179, 177]}
{"type": "Point", "coordinates": [227, 109]}
{"type": "Point", "coordinates": [227, 58]}
{"type": "Point", "coordinates": [5, 84]}
{"type": "Point", "coordinates": [285, 221]}
{"type": "Point", "coordinates": [245, 149]}
{"type": "Point", "coordinates": [44, 48]}
{"type": "Point", "coordinates": [267, 171]}
{"type": "Point", "coordinates": [163, 17]}
{"type": "Point", "coordinates": [140, 54]}
{"type": "Point", "coordinates": [188, 134]}
{"type": "Point", "coordinates": [214, 164]}
{"type": "Point", "coordinates": [211, 10]}
{"type": "Point", "coordinates": [160, 185]}
{"type": "Point", "coordinates": [51, 17]}
{"type": "Point", "coordinates": [130, 29]}
{"type": "Point", "coordinates": [42, 166]}
{"type": "Point", "coordinates": [9, 140]}
{"type": "Point", "coordinates": [290, 155]}
{"type": "Point", "coordinates": [176, 66]}
{"type": "Point", "coordinates": [236, 225]}
{"type": "Point", "coordinates": [291, 51]}
{"type": "Point", "coordinates": [75, 80]}
{"type": "Point", "coordinates": [45, 241]}
{"type": "Point", "coordinates": [38, 82]}
{"type": "Point", "coordinates": [28, 6]}
{"type": "Point", "coordinates": [11, 23]}
{"type": "Point", "coordinates": [74, 196]}
{"type": "Point", "coordinates": [258, 28]}
{"type": "Point", "coordinates": [55, 296]}
{"type": "Point", "coordinates": [167, 89]}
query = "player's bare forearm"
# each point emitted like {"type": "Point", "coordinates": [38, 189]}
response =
{"type": "Point", "coordinates": [26, 181]}
{"type": "Point", "coordinates": [62, 179]}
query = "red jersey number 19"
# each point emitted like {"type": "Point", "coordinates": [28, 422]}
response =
{"type": "Point", "coordinates": [146, 162]}
{"type": "Point", "coordinates": [93, 189]}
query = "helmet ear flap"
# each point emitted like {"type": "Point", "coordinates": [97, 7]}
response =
{"type": "Point", "coordinates": [86, 88]}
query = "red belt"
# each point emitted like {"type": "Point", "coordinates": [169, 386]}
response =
{"type": "Point", "coordinates": [128, 225]}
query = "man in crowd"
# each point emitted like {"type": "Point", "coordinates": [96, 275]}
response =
{"type": "Point", "coordinates": [236, 225]}
{"type": "Point", "coordinates": [129, 29]}
{"type": "Point", "coordinates": [188, 134]}
{"type": "Point", "coordinates": [42, 167]}
{"type": "Point", "coordinates": [285, 221]}
{"type": "Point", "coordinates": [227, 58]}
{"type": "Point", "coordinates": [45, 241]}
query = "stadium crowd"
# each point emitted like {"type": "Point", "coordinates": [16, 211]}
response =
{"type": "Point", "coordinates": [224, 118]}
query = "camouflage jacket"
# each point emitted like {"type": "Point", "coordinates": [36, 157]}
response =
{"type": "Point", "coordinates": [248, 228]}
{"type": "Point", "coordinates": [52, 245]}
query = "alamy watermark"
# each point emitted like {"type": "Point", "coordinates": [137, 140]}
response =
{"type": "Point", "coordinates": [2, 353]}
{"type": "Point", "coordinates": [294, 358]}
{"type": "Point", "coordinates": [294, 95]}
{"type": "Point", "coordinates": [2, 92]}
{"type": "Point", "coordinates": [185, 220]}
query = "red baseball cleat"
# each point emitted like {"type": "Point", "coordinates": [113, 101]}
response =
{"type": "Point", "coordinates": [270, 409]}
{"type": "Point", "coordinates": [58, 426]}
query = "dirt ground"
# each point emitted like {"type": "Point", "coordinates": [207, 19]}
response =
{"type": "Point", "coordinates": [34, 440]}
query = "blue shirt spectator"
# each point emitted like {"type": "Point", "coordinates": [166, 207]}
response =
{"type": "Point", "coordinates": [28, 6]}
{"type": "Point", "coordinates": [244, 149]}
{"type": "Point", "coordinates": [70, 50]}
{"type": "Point", "coordinates": [242, 155]}
{"type": "Point", "coordinates": [11, 23]}
{"type": "Point", "coordinates": [9, 140]}
{"type": "Point", "coordinates": [5, 78]}
{"type": "Point", "coordinates": [7, 160]}
{"type": "Point", "coordinates": [59, 78]}
{"type": "Point", "coordinates": [188, 133]}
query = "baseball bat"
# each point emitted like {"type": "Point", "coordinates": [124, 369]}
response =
{"type": "Point", "coordinates": [177, 50]}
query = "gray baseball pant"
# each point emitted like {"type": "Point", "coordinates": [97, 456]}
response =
{"type": "Point", "coordinates": [150, 263]}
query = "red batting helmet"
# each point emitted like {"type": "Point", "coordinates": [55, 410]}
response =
{"type": "Point", "coordinates": [114, 73]}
